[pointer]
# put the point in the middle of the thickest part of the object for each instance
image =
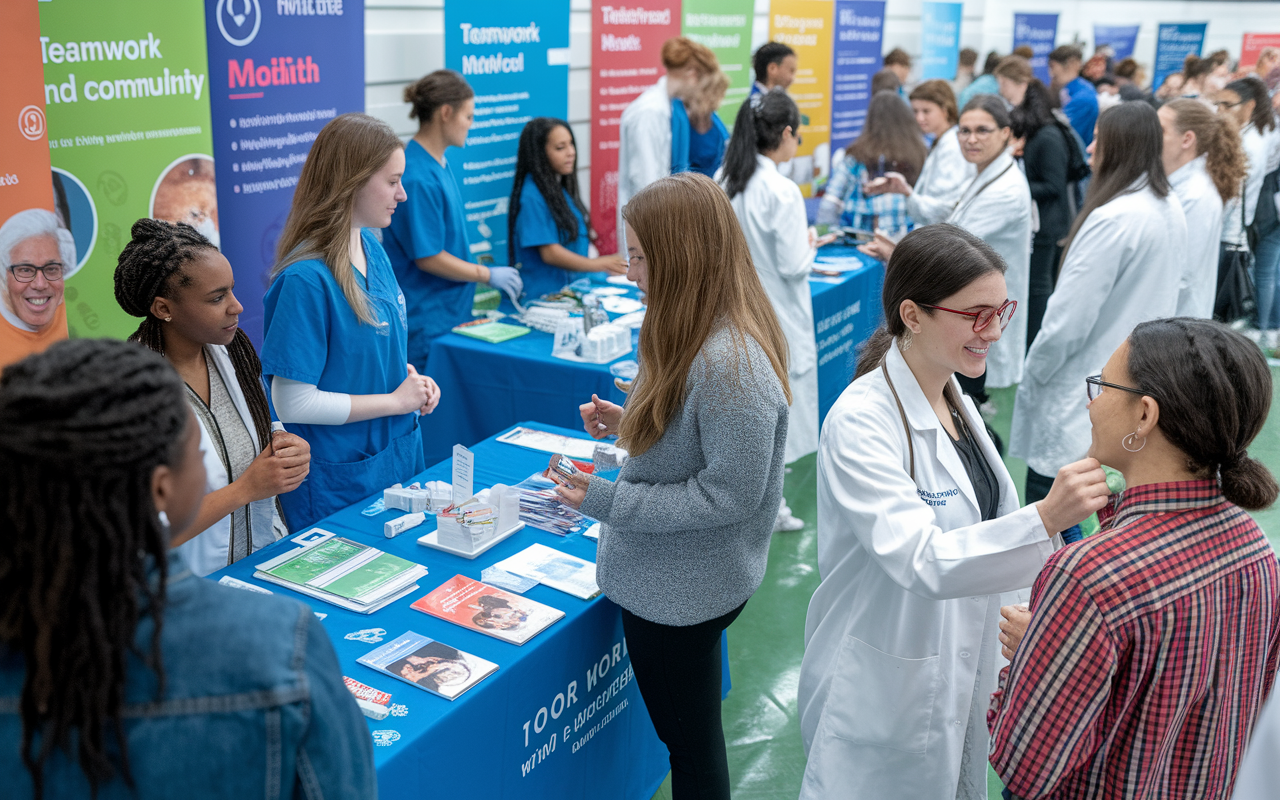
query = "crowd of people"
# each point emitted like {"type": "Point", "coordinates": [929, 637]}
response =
{"type": "Point", "coordinates": [1070, 240]}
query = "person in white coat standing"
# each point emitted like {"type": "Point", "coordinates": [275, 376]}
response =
{"type": "Point", "coordinates": [1203, 158]}
{"type": "Point", "coordinates": [919, 531]}
{"type": "Point", "coordinates": [1121, 265]}
{"type": "Point", "coordinates": [946, 173]}
{"type": "Point", "coordinates": [644, 132]}
{"type": "Point", "coordinates": [995, 207]}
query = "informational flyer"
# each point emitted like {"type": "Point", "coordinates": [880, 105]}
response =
{"type": "Point", "coordinates": [626, 59]}
{"type": "Point", "coordinates": [725, 27]}
{"type": "Point", "coordinates": [515, 55]}
{"type": "Point", "coordinates": [127, 104]}
{"type": "Point", "coordinates": [807, 26]}
{"type": "Point", "coordinates": [1039, 32]}
{"type": "Point", "coordinates": [939, 39]}
{"type": "Point", "coordinates": [278, 72]}
{"type": "Point", "coordinates": [24, 146]}
{"type": "Point", "coordinates": [1120, 38]}
{"type": "Point", "coordinates": [859, 35]}
{"type": "Point", "coordinates": [1174, 42]}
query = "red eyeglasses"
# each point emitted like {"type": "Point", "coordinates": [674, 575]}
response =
{"type": "Point", "coordinates": [981, 319]}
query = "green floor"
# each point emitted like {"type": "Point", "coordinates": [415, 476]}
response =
{"type": "Point", "coordinates": [766, 758]}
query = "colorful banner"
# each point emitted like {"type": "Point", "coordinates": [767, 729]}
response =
{"type": "Point", "coordinates": [1037, 31]}
{"type": "Point", "coordinates": [1120, 38]}
{"type": "Point", "coordinates": [859, 33]}
{"type": "Point", "coordinates": [24, 137]}
{"type": "Point", "coordinates": [278, 72]}
{"type": "Point", "coordinates": [626, 59]}
{"type": "Point", "coordinates": [725, 27]}
{"type": "Point", "coordinates": [1173, 42]}
{"type": "Point", "coordinates": [940, 39]}
{"type": "Point", "coordinates": [515, 55]}
{"type": "Point", "coordinates": [806, 26]}
{"type": "Point", "coordinates": [127, 99]}
{"type": "Point", "coordinates": [1253, 44]}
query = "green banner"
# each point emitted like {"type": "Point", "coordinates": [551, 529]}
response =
{"type": "Point", "coordinates": [126, 97]}
{"type": "Point", "coordinates": [725, 27]}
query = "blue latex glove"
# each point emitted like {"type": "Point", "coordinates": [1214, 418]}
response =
{"type": "Point", "coordinates": [506, 280]}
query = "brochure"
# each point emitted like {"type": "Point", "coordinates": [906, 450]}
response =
{"type": "Point", "coordinates": [342, 572]}
{"type": "Point", "coordinates": [488, 610]}
{"type": "Point", "coordinates": [373, 703]}
{"type": "Point", "coordinates": [492, 332]}
{"type": "Point", "coordinates": [569, 574]}
{"type": "Point", "coordinates": [547, 442]}
{"type": "Point", "coordinates": [435, 666]}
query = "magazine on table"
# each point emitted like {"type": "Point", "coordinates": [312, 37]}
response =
{"type": "Point", "coordinates": [488, 610]}
{"type": "Point", "coordinates": [550, 567]}
{"type": "Point", "coordinates": [435, 666]}
{"type": "Point", "coordinates": [342, 572]}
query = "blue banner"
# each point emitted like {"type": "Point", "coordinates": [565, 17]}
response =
{"type": "Point", "coordinates": [855, 58]}
{"type": "Point", "coordinates": [515, 55]}
{"type": "Point", "coordinates": [940, 39]}
{"type": "Point", "coordinates": [1037, 31]}
{"type": "Point", "coordinates": [1173, 42]}
{"type": "Point", "coordinates": [278, 71]}
{"type": "Point", "coordinates": [1120, 38]}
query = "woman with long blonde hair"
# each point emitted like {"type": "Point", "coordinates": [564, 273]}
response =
{"type": "Point", "coordinates": [686, 526]}
{"type": "Point", "coordinates": [336, 338]}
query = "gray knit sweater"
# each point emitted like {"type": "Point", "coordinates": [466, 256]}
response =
{"type": "Point", "coordinates": [685, 529]}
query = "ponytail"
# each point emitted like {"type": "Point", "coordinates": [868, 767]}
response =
{"type": "Point", "coordinates": [1216, 137]}
{"type": "Point", "coordinates": [1248, 484]}
{"type": "Point", "coordinates": [758, 128]}
{"type": "Point", "coordinates": [874, 350]}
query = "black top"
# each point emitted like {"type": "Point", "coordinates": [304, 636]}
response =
{"type": "Point", "coordinates": [983, 478]}
{"type": "Point", "coordinates": [1045, 156]}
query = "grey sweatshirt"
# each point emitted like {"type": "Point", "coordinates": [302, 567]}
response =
{"type": "Point", "coordinates": [685, 530]}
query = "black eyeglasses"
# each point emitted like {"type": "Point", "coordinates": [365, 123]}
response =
{"type": "Point", "coordinates": [1223, 105]}
{"type": "Point", "coordinates": [981, 319]}
{"type": "Point", "coordinates": [1094, 383]}
{"type": "Point", "coordinates": [26, 273]}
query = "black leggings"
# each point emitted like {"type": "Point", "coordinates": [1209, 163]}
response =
{"type": "Point", "coordinates": [1044, 274]}
{"type": "Point", "coordinates": [678, 670]}
{"type": "Point", "coordinates": [1038, 486]}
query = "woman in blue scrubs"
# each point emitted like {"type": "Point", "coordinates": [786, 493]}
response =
{"type": "Point", "coordinates": [427, 240]}
{"type": "Point", "coordinates": [548, 226]}
{"type": "Point", "coordinates": [335, 339]}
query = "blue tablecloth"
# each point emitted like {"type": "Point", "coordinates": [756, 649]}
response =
{"type": "Point", "coordinates": [486, 388]}
{"type": "Point", "coordinates": [561, 718]}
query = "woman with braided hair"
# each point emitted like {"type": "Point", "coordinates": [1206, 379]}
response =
{"type": "Point", "coordinates": [180, 284]}
{"type": "Point", "coordinates": [122, 675]}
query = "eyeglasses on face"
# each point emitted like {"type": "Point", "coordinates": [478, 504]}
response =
{"type": "Point", "coordinates": [26, 273]}
{"type": "Point", "coordinates": [980, 133]}
{"type": "Point", "coordinates": [982, 317]}
{"type": "Point", "coordinates": [1094, 383]}
{"type": "Point", "coordinates": [1223, 105]}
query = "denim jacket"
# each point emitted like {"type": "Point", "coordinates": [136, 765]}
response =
{"type": "Point", "coordinates": [254, 707]}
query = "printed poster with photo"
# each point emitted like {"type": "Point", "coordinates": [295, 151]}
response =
{"type": "Point", "coordinates": [126, 99]}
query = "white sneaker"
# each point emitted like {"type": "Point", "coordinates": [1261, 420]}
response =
{"type": "Point", "coordinates": [1270, 339]}
{"type": "Point", "coordinates": [787, 523]}
{"type": "Point", "coordinates": [1253, 334]}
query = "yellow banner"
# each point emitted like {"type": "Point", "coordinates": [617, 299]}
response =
{"type": "Point", "coordinates": [807, 26]}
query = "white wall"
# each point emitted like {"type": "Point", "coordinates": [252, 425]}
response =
{"type": "Point", "coordinates": [404, 40]}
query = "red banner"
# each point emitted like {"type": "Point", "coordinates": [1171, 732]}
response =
{"type": "Point", "coordinates": [626, 59]}
{"type": "Point", "coordinates": [25, 180]}
{"type": "Point", "coordinates": [1253, 44]}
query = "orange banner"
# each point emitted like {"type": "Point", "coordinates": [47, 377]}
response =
{"type": "Point", "coordinates": [24, 142]}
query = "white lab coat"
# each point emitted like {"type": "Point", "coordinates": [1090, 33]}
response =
{"type": "Point", "coordinates": [644, 145]}
{"type": "Point", "coordinates": [1257, 151]}
{"type": "Point", "coordinates": [207, 552]}
{"type": "Point", "coordinates": [996, 207]}
{"type": "Point", "coordinates": [942, 181]}
{"type": "Point", "coordinates": [772, 214]}
{"type": "Point", "coordinates": [1122, 269]}
{"type": "Point", "coordinates": [1202, 208]}
{"type": "Point", "coordinates": [901, 639]}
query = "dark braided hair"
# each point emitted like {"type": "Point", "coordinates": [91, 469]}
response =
{"type": "Point", "coordinates": [531, 160]}
{"type": "Point", "coordinates": [151, 266]}
{"type": "Point", "coordinates": [82, 428]}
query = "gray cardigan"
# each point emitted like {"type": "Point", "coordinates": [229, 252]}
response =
{"type": "Point", "coordinates": [685, 529]}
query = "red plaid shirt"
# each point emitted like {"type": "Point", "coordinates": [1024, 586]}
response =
{"type": "Point", "coordinates": [1151, 648]}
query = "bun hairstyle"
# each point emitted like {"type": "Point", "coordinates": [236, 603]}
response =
{"type": "Point", "coordinates": [679, 52]}
{"type": "Point", "coordinates": [1216, 136]}
{"type": "Point", "coordinates": [1194, 67]}
{"type": "Point", "coordinates": [444, 87]}
{"type": "Point", "coordinates": [757, 129]}
{"type": "Point", "coordinates": [929, 265]}
{"type": "Point", "coordinates": [1190, 365]}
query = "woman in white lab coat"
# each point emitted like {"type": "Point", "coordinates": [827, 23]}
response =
{"type": "Point", "coordinates": [1205, 163]}
{"type": "Point", "coordinates": [946, 173]}
{"type": "Point", "coordinates": [644, 132]}
{"type": "Point", "coordinates": [995, 207]}
{"type": "Point", "coordinates": [919, 531]}
{"type": "Point", "coordinates": [1121, 265]}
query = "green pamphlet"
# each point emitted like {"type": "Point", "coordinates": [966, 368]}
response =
{"type": "Point", "coordinates": [369, 576]}
{"type": "Point", "coordinates": [316, 561]}
{"type": "Point", "coordinates": [492, 332]}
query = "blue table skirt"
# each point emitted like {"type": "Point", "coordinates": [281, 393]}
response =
{"type": "Point", "coordinates": [485, 388]}
{"type": "Point", "coordinates": [561, 718]}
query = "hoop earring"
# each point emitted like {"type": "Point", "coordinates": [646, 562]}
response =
{"type": "Point", "coordinates": [1133, 437]}
{"type": "Point", "coordinates": [905, 340]}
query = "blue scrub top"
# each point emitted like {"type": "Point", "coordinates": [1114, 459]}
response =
{"type": "Point", "coordinates": [312, 335]}
{"type": "Point", "coordinates": [430, 221]}
{"type": "Point", "coordinates": [535, 227]}
{"type": "Point", "coordinates": [706, 150]}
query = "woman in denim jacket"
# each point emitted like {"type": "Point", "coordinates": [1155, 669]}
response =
{"type": "Point", "coordinates": [121, 673]}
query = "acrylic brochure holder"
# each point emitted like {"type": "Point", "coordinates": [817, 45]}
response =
{"type": "Point", "coordinates": [473, 527]}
